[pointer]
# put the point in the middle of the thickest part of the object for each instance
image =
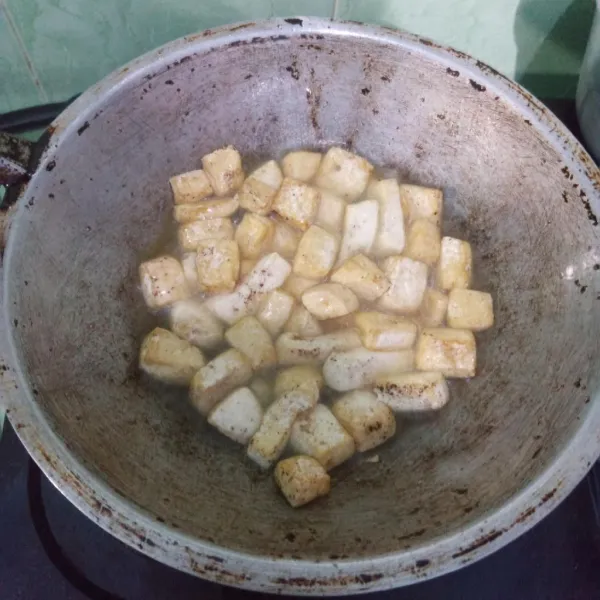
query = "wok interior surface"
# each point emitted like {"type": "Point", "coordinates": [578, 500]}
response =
{"type": "Point", "coordinates": [106, 205]}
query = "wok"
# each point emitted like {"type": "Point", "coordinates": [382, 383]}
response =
{"type": "Point", "coordinates": [134, 456]}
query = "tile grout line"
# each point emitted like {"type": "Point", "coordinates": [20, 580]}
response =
{"type": "Point", "coordinates": [23, 50]}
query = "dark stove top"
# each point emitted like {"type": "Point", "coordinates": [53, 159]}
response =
{"type": "Point", "coordinates": [50, 551]}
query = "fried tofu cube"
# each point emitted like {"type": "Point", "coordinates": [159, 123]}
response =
{"type": "Point", "coordinates": [294, 350]}
{"type": "Point", "coordinates": [369, 421]}
{"type": "Point", "coordinates": [379, 331]}
{"type": "Point", "coordinates": [190, 187]}
{"type": "Point", "coordinates": [168, 358]}
{"type": "Point", "coordinates": [363, 277]}
{"type": "Point", "coordinates": [408, 280]}
{"type": "Point", "coordinates": [301, 165]}
{"type": "Point", "coordinates": [254, 235]}
{"type": "Point", "coordinates": [331, 213]}
{"type": "Point", "coordinates": [413, 392]}
{"type": "Point", "coordinates": [302, 323]}
{"type": "Point", "coordinates": [207, 209]}
{"type": "Point", "coordinates": [230, 308]}
{"type": "Point", "coordinates": [344, 173]}
{"type": "Point", "coordinates": [194, 322]}
{"type": "Point", "coordinates": [329, 300]}
{"type": "Point", "coordinates": [263, 390]}
{"type": "Point", "coordinates": [361, 222]}
{"type": "Point", "coordinates": [272, 436]}
{"type": "Point", "coordinates": [316, 253]}
{"type": "Point", "coordinates": [218, 264]}
{"type": "Point", "coordinates": [452, 352]}
{"type": "Point", "coordinates": [253, 340]}
{"type": "Point", "coordinates": [163, 282]}
{"type": "Point", "coordinates": [191, 234]}
{"type": "Point", "coordinates": [238, 416]}
{"type": "Point", "coordinates": [422, 203]}
{"type": "Point", "coordinates": [285, 239]}
{"type": "Point", "coordinates": [423, 242]}
{"type": "Point", "coordinates": [223, 374]}
{"type": "Point", "coordinates": [306, 378]}
{"type": "Point", "coordinates": [390, 238]}
{"type": "Point", "coordinates": [296, 286]}
{"type": "Point", "coordinates": [297, 203]}
{"type": "Point", "coordinates": [468, 309]}
{"type": "Point", "coordinates": [275, 310]}
{"type": "Point", "coordinates": [358, 368]}
{"type": "Point", "coordinates": [319, 434]}
{"type": "Point", "coordinates": [224, 170]}
{"type": "Point", "coordinates": [455, 265]}
{"type": "Point", "coordinates": [301, 480]}
{"type": "Point", "coordinates": [190, 272]}
{"type": "Point", "coordinates": [433, 308]}
{"type": "Point", "coordinates": [259, 189]}
{"type": "Point", "coordinates": [269, 273]}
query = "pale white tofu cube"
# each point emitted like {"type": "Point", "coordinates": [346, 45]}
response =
{"type": "Point", "coordinates": [369, 421]}
{"type": "Point", "coordinates": [319, 434]}
{"type": "Point", "coordinates": [254, 235]}
{"type": "Point", "coordinates": [275, 310]}
{"type": "Point", "coordinates": [269, 273]}
{"type": "Point", "coordinates": [408, 280]}
{"type": "Point", "coordinates": [433, 308]}
{"type": "Point", "coordinates": [330, 300]}
{"type": "Point", "coordinates": [379, 331]}
{"type": "Point", "coordinates": [188, 263]}
{"type": "Point", "coordinates": [455, 264]}
{"type": "Point", "coordinates": [285, 239]}
{"type": "Point", "coordinates": [450, 351]}
{"type": "Point", "coordinates": [259, 189]}
{"type": "Point", "coordinates": [302, 323]}
{"type": "Point", "coordinates": [294, 350]}
{"type": "Point", "coordinates": [363, 277]}
{"type": "Point", "coordinates": [316, 253]}
{"type": "Point", "coordinates": [301, 480]}
{"type": "Point", "coordinates": [224, 170]}
{"type": "Point", "coordinates": [191, 234]}
{"type": "Point", "coordinates": [422, 203]}
{"type": "Point", "coordinates": [263, 390]}
{"type": "Point", "coordinates": [194, 322]}
{"type": "Point", "coordinates": [163, 282]}
{"type": "Point", "coordinates": [331, 213]}
{"type": "Point", "coordinates": [423, 242]}
{"type": "Point", "coordinates": [305, 378]}
{"type": "Point", "coordinates": [301, 165]}
{"type": "Point", "coordinates": [190, 187]}
{"type": "Point", "coordinates": [296, 286]}
{"type": "Point", "coordinates": [168, 358]}
{"type": "Point", "coordinates": [253, 340]}
{"type": "Point", "coordinates": [223, 374]}
{"type": "Point", "coordinates": [272, 436]}
{"type": "Point", "coordinates": [238, 416]}
{"type": "Point", "coordinates": [468, 309]}
{"type": "Point", "coordinates": [413, 392]}
{"type": "Point", "coordinates": [358, 368]}
{"type": "Point", "coordinates": [218, 265]}
{"type": "Point", "coordinates": [297, 203]}
{"type": "Point", "coordinates": [360, 229]}
{"type": "Point", "coordinates": [207, 209]}
{"type": "Point", "coordinates": [390, 238]}
{"type": "Point", "coordinates": [230, 308]}
{"type": "Point", "coordinates": [344, 173]}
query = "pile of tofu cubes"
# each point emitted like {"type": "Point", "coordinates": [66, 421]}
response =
{"type": "Point", "coordinates": [306, 274]}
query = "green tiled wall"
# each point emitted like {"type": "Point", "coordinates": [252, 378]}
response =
{"type": "Point", "coordinates": [53, 49]}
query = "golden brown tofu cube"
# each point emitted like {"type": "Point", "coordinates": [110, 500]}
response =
{"type": "Point", "coordinates": [259, 189]}
{"type": "Point", "coordinates": [191, 234]}
{"type": "Point", "coordinates": [422, 203]}
{"type": "Point", "coordinates": [468, 309]}
{"type": "Point", "coordinates": [433, 309]}
{"type": "Point", "coordinates": [452, 352]}
{"type": "Point", "coordinates": [224, 170]}
{"type": "Point", "coordinates": [363, 277]}
{"type": "Point", "coordinates": [297, 203]}
{"type": "Point", "coordinates": [301, 480]}
{"type": "Point", "coordinates": [254, 341]}
{"type": "Point", "coordinates": [254, 235]}
{"type": "Point", "coordinates": [379, 331]}
{"type": "Point", "coordinates": [218, 264]}
{"type": "Point", "coordinates": [163, 282]}
{"type": "Point", "coordinates": [344, 173]}
{"type": "Point", "coordinates": [316, 253]}
{"type": "Point", "coordinates": [423, 242]}
{"type": "Point", "coordinates": [408, 280]}
{"type": "Point", "coordinates": [190, 187]}
{"type": "Point", "coordinates": [301, 165]}
{"type": "Point", "coordinates": [207, 209]}
{"type": "Point", "coordinates": [455, 265]}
